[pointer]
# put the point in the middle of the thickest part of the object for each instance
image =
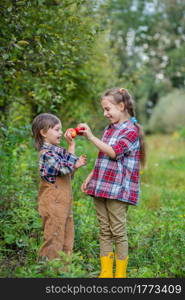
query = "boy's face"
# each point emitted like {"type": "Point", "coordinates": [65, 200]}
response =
{"type": "Point", "coordinates": [53, 135]}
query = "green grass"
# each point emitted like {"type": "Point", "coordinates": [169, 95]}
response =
{"type": "Point", "coordinates": [155, 226]}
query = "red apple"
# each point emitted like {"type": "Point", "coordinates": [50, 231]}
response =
{"type": "Point", "coordinates": [72, 132]}
{"type": "Point", "coordinates": [78, 129]}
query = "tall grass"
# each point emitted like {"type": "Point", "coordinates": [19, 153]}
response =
{"type": "Point", "coordinates": [155, 226]}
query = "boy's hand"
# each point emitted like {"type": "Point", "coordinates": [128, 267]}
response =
{"type": "Point", "coordinates": [86, 131]}
{"type": "Point", "coordinates": [69, 138]}
{"type": "Point", "coordinates": [81, 161]}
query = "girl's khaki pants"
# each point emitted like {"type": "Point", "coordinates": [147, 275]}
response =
{"type": "Point", "coordinates": [112, 216]}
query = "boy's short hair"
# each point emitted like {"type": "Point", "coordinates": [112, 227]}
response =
{"type": "Point", "coordinates": [42, 121]}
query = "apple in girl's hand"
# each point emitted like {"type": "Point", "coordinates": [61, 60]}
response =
{"type": "Point", "coordinates": [72, 132]}
{"type": "Point", "coordinates": [78, 129]}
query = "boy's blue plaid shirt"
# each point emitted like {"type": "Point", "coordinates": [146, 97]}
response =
{"type": "Point", "coordinates": [55, 161]}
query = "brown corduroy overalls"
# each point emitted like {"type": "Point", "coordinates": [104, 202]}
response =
{"type": "Point", "coordinates": [55, 208]}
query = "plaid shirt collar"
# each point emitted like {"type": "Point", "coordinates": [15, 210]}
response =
{"type": "Point", "coordinates": [122, 125]}
{"type": "Point", "coordinates": [47, 146]}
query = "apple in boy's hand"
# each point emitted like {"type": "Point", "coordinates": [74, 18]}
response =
{"type": "Point", "coordinates": [72, 132]}
{"type": "Point", "coordinates": [75, 131]}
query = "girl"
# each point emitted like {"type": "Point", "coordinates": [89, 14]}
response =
{"type": "Point", "coordinates": [56, 165]}
{"type": "Point", "coordinates": [114, 182]}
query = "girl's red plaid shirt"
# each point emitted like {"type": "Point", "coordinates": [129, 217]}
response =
{"type": "Point", "coordinates": [118, 178]}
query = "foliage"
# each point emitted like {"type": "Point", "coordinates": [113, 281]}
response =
{"type": "Point", "coordinates": [181, 133]}
{"type": "Point", "coordinates": [148, 38]}
{"type": "Point", "coordinates": [45, 46]}
{"type": "Point", "coordinates": [59, 56]}
{"type": "Point", "coordinates": [168, 115]}
{"type": "Point", "coordinates": [156, 246]}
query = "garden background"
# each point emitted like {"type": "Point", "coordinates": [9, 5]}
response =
{"type": "Point", "coordinates": [59, 56]}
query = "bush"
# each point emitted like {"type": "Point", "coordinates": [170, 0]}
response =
{"type": "Point", "coordinates": [182, 133]}
{"type": "Point", "coordinates": [168, 115]}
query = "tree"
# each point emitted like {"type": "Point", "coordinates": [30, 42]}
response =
{"type": "Point", "coordinates": [45, 45]}
{"type": "Point", "coordinates": [148, 37]}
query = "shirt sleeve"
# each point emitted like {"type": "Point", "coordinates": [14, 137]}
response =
{"type": "Point", "coordinates": [69, 157]}
{"type": "Point", "coordinates": [125, 143]}
{"type": "Point", "coordinates": [54, 165]}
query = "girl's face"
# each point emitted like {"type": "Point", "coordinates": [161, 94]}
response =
{"type": "Point", "coordinates": [112, 111]}
{"type": "Point", "coordinates": [53, 135]}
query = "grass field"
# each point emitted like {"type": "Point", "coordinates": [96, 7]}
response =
{"type": "Point", "coordinates": [155, 226]}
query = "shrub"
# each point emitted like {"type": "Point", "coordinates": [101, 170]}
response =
{"type": "Point", "coordinates": [168, 115]}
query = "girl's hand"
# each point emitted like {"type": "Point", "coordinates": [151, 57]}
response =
{"type": "Point", "coordinates": [69, 138]}
{"type": "Point", "coordinates": [81, 161]}
{"type": "Point", "coordinates": [85, 132]}
{"type": "Point", "coordinates": [85, 183]}
{"type": "Point", "coordinates": [84, 186]}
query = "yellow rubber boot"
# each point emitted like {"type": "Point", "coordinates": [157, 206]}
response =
{"type": "Point", "coordinates": [121, 268]}
{"type": "Point", "coordinates": [107, 266]}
